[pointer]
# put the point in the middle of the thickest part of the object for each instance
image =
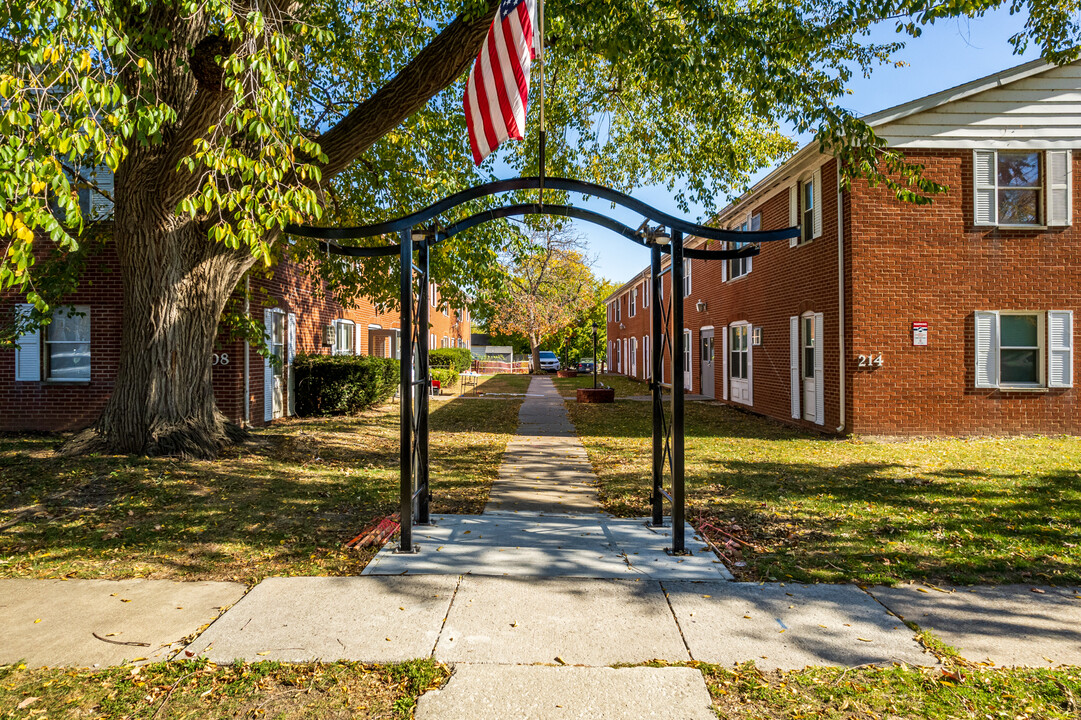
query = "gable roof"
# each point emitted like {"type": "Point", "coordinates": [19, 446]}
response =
{"type": "Point", "coordinates": [805, 156]}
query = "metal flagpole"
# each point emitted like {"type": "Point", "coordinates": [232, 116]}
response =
{"type": "Point", "coordinates": [540, 71]}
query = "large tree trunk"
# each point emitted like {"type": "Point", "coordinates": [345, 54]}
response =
{"type": "Point", "coordinates": [176, 281]}
{"type": "Point", "coordinates": [175, 285]}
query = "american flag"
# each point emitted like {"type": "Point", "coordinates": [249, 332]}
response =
{"type": "Point", "coordinates": [498, 87]}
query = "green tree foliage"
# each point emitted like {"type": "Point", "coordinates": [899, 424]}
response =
{"type": "Point", "coordinates": [225, 120]}
{"type": "Point", "coordinates": [547, 285]}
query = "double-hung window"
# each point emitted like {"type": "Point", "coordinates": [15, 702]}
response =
{"type": "Point", "coordinates": [67, 345]}
{"type": "Point", "coordinates": [1022, 188]}
{"type": "Point", "coordinates": [633, 302]}
{"type": "Point", "coordinates": [805, 208]}
{"type": "Point", "coordinates": [62, 347]}
{"type": "Point", "coordinates": [1024, 350]}
{"type": "Point", "coordinates": [738, 267]}
{"type": "Point", "coordinates": [343, 337]}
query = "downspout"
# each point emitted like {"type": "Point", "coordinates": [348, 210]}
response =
{"type": "Point", "coordinates": [247, 355]}
{"type": "Point", "coordinates": [841, 293]}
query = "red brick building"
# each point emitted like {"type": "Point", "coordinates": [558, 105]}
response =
{"type": "Point", "coordinates": [61, 376]}
{"type": "Point", "coordinates": [892, 318]}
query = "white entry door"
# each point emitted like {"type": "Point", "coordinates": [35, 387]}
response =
{"type": "Point", "coordinates": [808, 340]}
{"type": "Point", "coordinates": [739, 364]}
{"type": "Point", "coordinates": [705, 361]}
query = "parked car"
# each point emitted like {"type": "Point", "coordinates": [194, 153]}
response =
{"type": "Point", "coordinates": [548, 361]}
{"type": "Point", "coordinates": [585, 365]}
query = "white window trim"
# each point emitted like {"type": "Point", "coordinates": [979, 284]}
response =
{"type": "Point", "coordinates": [988, 359]}
{"type": "Point", "coordinates": [46, 344]}
{"type": "Point", "coordinates": [338, 325]}
{"type": "Point", "coordinates": [750, 363]}
{"type": "Point", "coordinates": [1049, 189]}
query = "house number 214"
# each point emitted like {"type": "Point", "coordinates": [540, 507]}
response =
{"type": "Point", "coordinates": [870, 361]}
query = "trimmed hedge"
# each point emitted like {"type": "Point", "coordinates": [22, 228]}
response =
{"type": "Point", "coordinates": [457, 359]}
{"type": "Point", "coordinates": [342, 384]}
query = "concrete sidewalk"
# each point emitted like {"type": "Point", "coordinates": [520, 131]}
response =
{"type": "Point", "coordinates": [533, 602]}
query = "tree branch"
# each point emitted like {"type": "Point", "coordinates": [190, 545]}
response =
{"type": "Point", "coordinates": [433, 69]}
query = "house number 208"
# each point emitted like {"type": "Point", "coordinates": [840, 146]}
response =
{"type": "Point", "coordinates": [870, 361]}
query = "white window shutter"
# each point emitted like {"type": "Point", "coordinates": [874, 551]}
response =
{"type": "Point", "coordinates": [28, 355]}
{"type": "Point", "coordinates": [984, 207]}
{"type": "Point", "coordinates": [268, 373]}
{"type": "Point", "coordinates": [818, 203]}
{"type": "Point", "coordinates": [793, 212]}
{"type": "Point", "coordinates": [1060, 348]}
{"type": "Point", "coordinates": [755, 225]}
{"type": "Point", "coordinates": [291, 348]}
{"type": "Point", "coordinates": [101, 207]}
{"type": "Point", "coordinates": [793, 362]}
{"type": "Point", "coordinates": [820, 384]}
{"type": "Point", "coordinates": [724, 363]}
{"type": "Point", "coordinates": [724, 270]}
{"type": "Point", "coordinates": [1058, 188]}
{"type": "Point", "coordinates": [986, 348]}
{"type": "Point", "coordinates": [687, 277]}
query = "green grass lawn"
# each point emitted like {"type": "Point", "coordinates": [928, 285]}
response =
{"type": "Point", "coordinates": [280, 504]}
{"type": "Point", "coordinates": [810, 508]}
{"type": "Point", "coordinates": [895, 692]}
{"type": "Point", "coordinates": [200, 689]}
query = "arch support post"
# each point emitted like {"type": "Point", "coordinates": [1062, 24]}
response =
{"type": "Point", "coordinates": [678, 370]}
{"type": "Point", "coordinates": [406, 391]}
{"type": "Point", "coordinates": [656, 371]}
{"type": "Point", "coordinates": [424, 386]}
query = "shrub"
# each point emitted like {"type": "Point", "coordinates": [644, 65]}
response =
{"type": "Point", "coordinates": [342, 384]}
{"type": "Point", "coordinates": [457, 359]}
{"type": "Point", "coordinates": [446, 376]}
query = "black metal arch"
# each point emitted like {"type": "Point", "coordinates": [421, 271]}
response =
{"type": "Point", "coordinates": [666, 319]}
{"type": "Point", "coordinates": [535, 183]}
{"type": "Point", "coordinates": [522, 209]}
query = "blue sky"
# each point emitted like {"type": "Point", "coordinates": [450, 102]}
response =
{"type": "Point", "coordinates": [947, 54]}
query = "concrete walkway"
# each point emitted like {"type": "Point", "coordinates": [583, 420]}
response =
{"type": "Point", "coordinates": [543, 518]}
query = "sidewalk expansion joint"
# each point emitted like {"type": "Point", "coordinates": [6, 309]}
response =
{"type": "Point", "coordinates": [679, 627]}
{"type": "Point", "coordinates": [443, 627]}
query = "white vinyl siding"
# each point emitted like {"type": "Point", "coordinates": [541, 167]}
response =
{"type": "Point", "coordinates": [1038, 111]}
{"type": "Point", "coordinates": [28, 354]}
{"type": "Point", "coordinates": [1059, 176]}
